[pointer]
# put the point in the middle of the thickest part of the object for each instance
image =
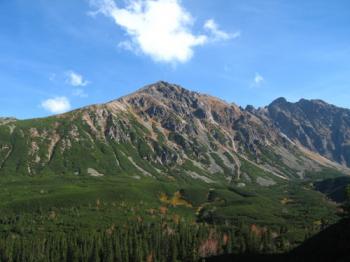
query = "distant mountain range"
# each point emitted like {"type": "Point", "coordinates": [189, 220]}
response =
{"type": "Point", "coordinates": [164, 130]}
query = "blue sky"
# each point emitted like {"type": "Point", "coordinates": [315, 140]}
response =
{"type": "Point", "coordinates": [57, 55]}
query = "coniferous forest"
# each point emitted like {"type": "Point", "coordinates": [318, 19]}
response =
{"type": "Point", "coordinates": [138, 241]}
{"type": "Point", "coordinates": [66, 234]}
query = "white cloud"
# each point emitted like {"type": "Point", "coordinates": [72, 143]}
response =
{"type": "Point", "coordinates": [76, 79]}
{"type": "Point", "coordinates": [160, 29]}
{"type": "Point", "coordinates": [219, 35]}
{"type": "Point", "coordinates": [258, 79]}
{"type": "Point", "coordinates": [56, 105]}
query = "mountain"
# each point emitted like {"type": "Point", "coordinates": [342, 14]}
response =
{"type": "Point", "coordinates": [318, 126]}
{"type": "Point", "coordinates": [165, 156]}
{"type": "Point", "coordinates": [163, 129]}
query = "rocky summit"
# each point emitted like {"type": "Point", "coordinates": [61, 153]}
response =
{"type": "Point", "coordinates": [166, 131]}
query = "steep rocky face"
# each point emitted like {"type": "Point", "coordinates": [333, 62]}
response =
{"type": "Point", "coordinates": [195, 122]}
{"type": "Point", "coordinates": [319, 126]}
{"type": "Point", "coordinates": [162, 131]}
{"type": "Point", "coordinates": [179, 110]}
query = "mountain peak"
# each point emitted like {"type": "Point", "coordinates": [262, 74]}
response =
{"type": "Point", "coordinates": [279, 101]}
{"type": "Point", "coordinates": [162, 89]}
{"type": "Point", "coordinates": [172, 93]}
{"type": "Point", "coordinates": [161, 86]}
{"type": "Point", "coordinates": [283, 101]}
{"type": "Point", "coordinates": [313, 101]}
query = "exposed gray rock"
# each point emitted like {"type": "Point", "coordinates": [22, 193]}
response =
{"type": "Point", "coordinates": [265, 181]}
{"type": "Point", "coordinates": [320, 127]}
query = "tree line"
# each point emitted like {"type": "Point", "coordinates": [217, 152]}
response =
{"type": "Point", "coordinates": [140, 241]}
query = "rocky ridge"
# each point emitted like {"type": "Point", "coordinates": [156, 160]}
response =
{"type": "Point", "coordinates": [164, 131]}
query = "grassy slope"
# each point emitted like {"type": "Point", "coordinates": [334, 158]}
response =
{"type": "Point", "coordinates": [70, 202]}
{"type": "Point", "coordinates": [56, 199]}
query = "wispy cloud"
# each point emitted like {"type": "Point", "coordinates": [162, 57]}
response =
{"type": "Point", "coordinates": [75, 79]}
{"type": "Point", "coordinates": [258, 80]}
{"type": "Point", "coordinates": [161, 29]}
{"type": "Point", "coordinates": [56, 105]}
{"type": "Point", "coordinates": [219, 35]}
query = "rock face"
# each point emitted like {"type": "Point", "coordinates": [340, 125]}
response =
{"type": "Point", "coordinates": [199, 116]}
{"type": "Point", "coordinates": [6, 120]}
{"type": "Point", "coordinates": [321, 127]}
{"type": "Point", "coordinates": [165, 131]}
